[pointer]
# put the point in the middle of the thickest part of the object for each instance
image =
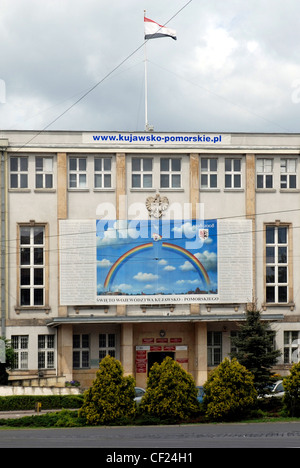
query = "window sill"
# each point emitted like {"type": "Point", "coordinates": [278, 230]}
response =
{"type": "Point", "coordinates": [289, 190]}
{"type": "Point", "coordinates": [104, 189]}
{"type": "Point", "coordinates": [233, 189]}
{"type": "Point", "coordinates": [266, 190]}
{"type": "Point", "coordinates": [291, 305]}
{"type": "Point", "coordinates": [210, 190]}
{"type": "Point", "coordinates": [75, 189]}
{"type": "Point", "coordinates": [44, 190]}
{"type": "Point", "coordinates": [171, 189]}
{"type": "Point", "coordinates": [22, 190]}
{"type": "Point", "coordinates": [45, 309]}
{"type": "Point", "coordinates": [142, 189]}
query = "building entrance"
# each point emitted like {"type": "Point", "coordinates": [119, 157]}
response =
{"type": "Point", "coordinates": [157, 357]}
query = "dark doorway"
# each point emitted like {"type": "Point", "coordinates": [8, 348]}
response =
{"type": "Point", "coordinates": [157, 357]}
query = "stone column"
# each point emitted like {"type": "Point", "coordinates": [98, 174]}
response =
{"type": "Point", "coordinates": [194, 202]}
{"type": "Point", "coordinates": [65, 351]}
{"type": "Point", "coordinates": [200, 353]}
{"type": "Point", "coordinates": [127, 354]}
{"type": "Point", "coordinates": [121, 205]}
{"type": "Point", "coordinates": [251, 210]}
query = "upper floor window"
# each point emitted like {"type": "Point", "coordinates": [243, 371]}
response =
{"type": "Point", "coordinates": [233, 173]}
{"type": "Point", "coordinates": [102, 172]}
{"type": "Point", "coordinates": [141, 173]}
{"type": "Point", "coordinates": [19, 172]}
{"type": "Point", "coordinates": [209, 178]}
{"type": "Point", "coordinates": [264, 173]}
{"type": "Point", "coordinates": [77, 173]}
{"type": "Point", "coordinates": [32, 266]}
{"type": "Point", "coordinates": [288, 175]}
{"type": "Point", "coordinates": [43, 172]}
{"type": "Point", "coordinates": [170, 173]}
{"type": "Point", "coordinates": [277, 264]}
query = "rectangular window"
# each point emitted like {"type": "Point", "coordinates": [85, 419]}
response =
{"type": "Point", "coordinates": [288, 173]}
{"type": "Point", "coordinates": [209, 177]}
{"type": "Point", "coordinates": [32, 266]}
{"type": "Point", "coordinates": [214, 348]}
{"type": "Point", "coordinates": [107, 345]}
{"type": "Point", "coordinates": [18, 172]}
{"type": "Point", "coordinates": [46, 352]}
{"type": "Point", "coordinates": [264, 173]}
{"type": "Point", "coordinates": [43, 172]}
{"type": "Point", "coordinates": [77, 173]}
{"type": "Point", "coordinates": [20, 346]}
{"type": "Point", "coordinates": [233, 173]}
{"type": "Point", "coordinates": [277, 264]}
{"type": "Point", "coordinates": [291, 344]}
{"type": "Point", "coordinates": [170, 173]}
{"type": "Point", "coordinates": [102, 173]}
{"type": "Point", "coordinates": [81, 351]}
{"type": "Point", "coordinates": [141, 173]}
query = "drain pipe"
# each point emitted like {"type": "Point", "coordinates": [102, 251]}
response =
{"type": "Point", "coordinates": [3, 242]}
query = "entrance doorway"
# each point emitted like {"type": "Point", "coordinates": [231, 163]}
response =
{"type": "Point", "coordinates": [158, 357]}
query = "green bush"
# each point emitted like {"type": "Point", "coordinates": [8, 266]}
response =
{"type": "Point", "coordinates": [64, 418]}
{"type": "Point", "coordinates": [229, 392]}
{"type": "Point", "coordinates": [28, 402]}
{"type": "Point", "coordinates": [291, 398]}
{"type": "Point", "coordinates": [171, 394]}
{"type": "Point", "coordinates": [111, 397]}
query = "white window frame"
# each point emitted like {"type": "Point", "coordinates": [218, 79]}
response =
{"type": "Point", "coordinates": [291, 346]}
{"type": "Point", "coordinates": [233, 174]}
{"type": "Point", "coordinates": [20, 173]}
{"type": "Point", "coordinates": [208, 173]}
{"type": "Point", "coordinates": [83, 350]}
{"type": "Point", "coordinates": [103, 174]}
{"type": "Point", "coordinates": [44, 172]}
{"type": "Point", "coordinates": [288, 173]}
{"type": "Point", "coordinates": [170, 174]}
{"type": "Point", "coordinates": [107, 345]}
{"type": "Point", "coordinates": [77, 173]}
{"type": "Point", "coordinates": [275, 266]}
{"type": "Point", "coordinates": [214, 348]}
{"type": "Point", "coordinates": [142, 172]}
{"type": "Point", "coordinates": [264, 173]}
{"type": "Point", "coordinates": [46, 351]}
{"type": "Point", "coordinates": [30, 262]}
{"type": "Point", "coordinates": [20, 344]}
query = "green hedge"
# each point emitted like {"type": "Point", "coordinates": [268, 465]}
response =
{"type": "Point", "coordinates": [28, 402]}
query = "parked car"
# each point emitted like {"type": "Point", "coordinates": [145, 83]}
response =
{"type": "Point", "coordinates": [139, 393]}
{"type": "Point", "coordinates": [200, 393]}
{"type": "Point", "coordinates": [276, 390]}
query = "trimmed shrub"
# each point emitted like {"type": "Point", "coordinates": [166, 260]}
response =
{"type": "Point", "coordinates": [229, 392]}
{"type": "Point", "coordinates": [291, 398]}
{"type": "Point", "coordinates": [171, 393]}
{"type": "Point", "coordinates": [28, 402]}
{"type": "Point", "coordinates": [111, 397]}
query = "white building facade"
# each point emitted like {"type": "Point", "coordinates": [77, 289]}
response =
{"type": "Point", "coordinates": [142, 245]}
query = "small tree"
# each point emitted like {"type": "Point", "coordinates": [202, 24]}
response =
{"type": "Point", "coordinates": [255, 348]}
{"type": "Point", "coordinates": [171, 392]}
{"type": "Point", "coordinates": [9, 355]}
{"type": "Point", "coordinates": [111, 397]}
{"type": "Point", "coordinates": [291, 398]}
{"type": "Point", "coordinates": [229, 392]}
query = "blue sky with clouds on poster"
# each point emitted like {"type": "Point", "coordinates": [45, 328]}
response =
{"type": "Point", "coordinates": [157, 269]}
{"type": "Point", "coordinates": [234, 67]}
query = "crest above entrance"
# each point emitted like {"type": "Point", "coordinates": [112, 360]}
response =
{"type": "Point", "coordinates": [157, 205]}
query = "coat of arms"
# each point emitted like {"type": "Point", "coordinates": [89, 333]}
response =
{"type": "Point", "coordinates": [157, 205]}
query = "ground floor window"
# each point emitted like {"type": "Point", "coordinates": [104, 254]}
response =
{"type": "Point", "coordinates": [214, 348]}
{"type": "Point", "coordinates": [81, 351]}
{"type": "Point", "coordinates": [46, 352]}
{"type": "Point", "coordinates": [291, 347]}
{"type": "Point", "coordinates": [107, 345]}
{"type": "Point", "coordinates": [20, 345]}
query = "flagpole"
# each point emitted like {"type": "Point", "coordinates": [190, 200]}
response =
{"type": "Point", "coordinates": [146, 84]}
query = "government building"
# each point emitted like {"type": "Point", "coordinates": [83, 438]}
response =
{"type": "Point", "coordinates": [145, 245]}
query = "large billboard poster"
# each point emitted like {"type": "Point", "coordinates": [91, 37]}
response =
{"type": "Point", "coordinates": [110, 262]}
{"type": "Point", "coordinates": [154, 261]}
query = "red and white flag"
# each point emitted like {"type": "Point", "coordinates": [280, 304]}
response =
{"type": "Point", "coordinates": [154, 30]}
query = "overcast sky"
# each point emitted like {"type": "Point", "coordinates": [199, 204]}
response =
{"type": "Point", "coordinates": [234, 68]}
